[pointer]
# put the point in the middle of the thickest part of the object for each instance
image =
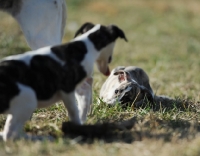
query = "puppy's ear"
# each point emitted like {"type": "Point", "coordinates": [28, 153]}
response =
{"type": "Point", "coordinates": [118, 32]}
{"type": "Point", "coordinates": [116, 70]}
{"type": "Point", "coordinates": [84, 28]}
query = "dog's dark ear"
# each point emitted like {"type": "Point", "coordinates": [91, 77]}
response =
{"type": "Point", "coordinates": [84, 28]}
{"type": "Point", "coordinates": [118, 32]}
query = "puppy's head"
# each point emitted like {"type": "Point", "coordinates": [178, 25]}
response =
{"type": "Point", "coordinates": [104, 40]}
{"type": "Point", "coordinates": [120, 88]}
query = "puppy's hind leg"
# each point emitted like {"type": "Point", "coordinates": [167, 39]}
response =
{"type": "Point", "coordinates": [21, 109]}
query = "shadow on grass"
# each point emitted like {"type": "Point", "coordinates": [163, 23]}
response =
{"type": "Point", "coordinates": [109, 132]}
{"type": "Point", "coordinates": [131, 130]}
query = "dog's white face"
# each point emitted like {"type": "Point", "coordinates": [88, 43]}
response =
{"type": "Point", "coordinates": [105, 59]}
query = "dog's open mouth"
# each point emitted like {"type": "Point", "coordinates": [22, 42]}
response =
{"type": "Point", "coordinates": [122, 77]}
{"type": "Point", "coordinates": [130, 92]}
{"type": "Point", "coordinates": [127, 90]}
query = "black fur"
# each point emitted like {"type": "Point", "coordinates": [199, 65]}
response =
{"type": "Point", "coordinates": [106, 35]}
{"type": "Point", "coordinates": [8, 87]}
{"type": "Point", "coordinates": [117, 32]}
{"type": "Point", "coordinates": [73, 51]}
{"type": "Point", "coordinates": [44, 75]}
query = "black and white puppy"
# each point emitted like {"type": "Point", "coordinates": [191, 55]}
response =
{"type": "Point", "coordinates": [84, 91]}
{"type": "Point", "coordinates": [42, 77]}
{"type": "Point", "coordinates": [42, 21]}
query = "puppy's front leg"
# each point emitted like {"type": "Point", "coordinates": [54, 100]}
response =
{"type": "Point", "coordinates": [69, 101]}
{"type": "Point", "coordinates": [84, 98]}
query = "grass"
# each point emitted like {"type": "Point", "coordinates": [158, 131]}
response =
{"type": "Point", "coordinates": [164, 41]}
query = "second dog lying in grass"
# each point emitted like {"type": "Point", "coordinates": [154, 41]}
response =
{"type": "Point", "coordinates": [130, 85]}
{"type": "Point", "coordinates": [126, 84]}
{"type": "Point", "coordinates": [42, 77]}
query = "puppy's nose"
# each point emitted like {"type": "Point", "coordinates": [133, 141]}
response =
{"type": "Point", "coordinates": [107, 73]}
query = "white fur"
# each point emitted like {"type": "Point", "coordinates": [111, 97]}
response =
{"type": "Point", "coordinates": [26, 57]}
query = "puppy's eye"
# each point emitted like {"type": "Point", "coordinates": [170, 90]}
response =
{"type": "Point", "coordinates": [109, 59]}
{"type": "Point", "coordinates": [116, 91]}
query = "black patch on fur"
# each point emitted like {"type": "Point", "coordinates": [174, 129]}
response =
{"type": "Point", "coordinates": [70, 52]}
{"type": "Point", "coordinates": [106, 35]}
{"type": "Point", "coordinates": [8, 87]}
{"type": "Point", "coordinates": [44, 75]}
{"type": "Point", "coordinates": [47, 76]}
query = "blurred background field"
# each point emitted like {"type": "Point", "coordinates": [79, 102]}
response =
{"type": "Point", "coordinates": [163, 39]}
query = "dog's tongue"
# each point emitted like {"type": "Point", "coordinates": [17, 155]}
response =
{"type": "Point", "coordinates": [107, 73]}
